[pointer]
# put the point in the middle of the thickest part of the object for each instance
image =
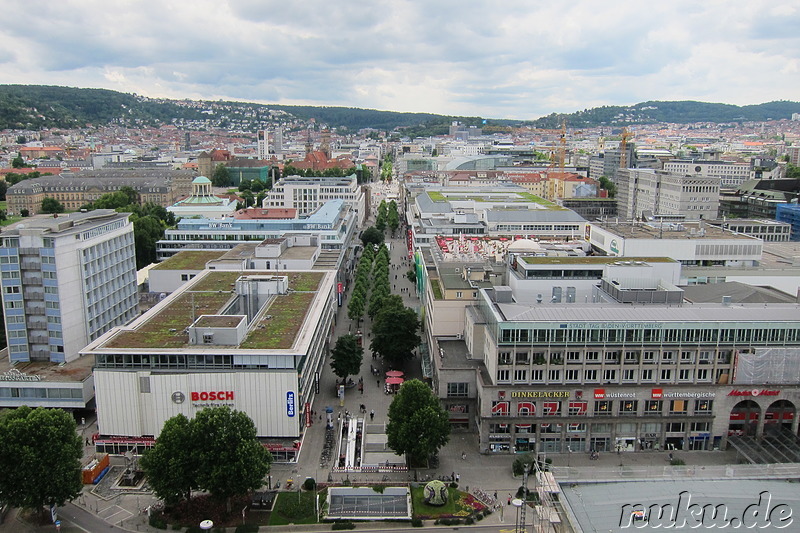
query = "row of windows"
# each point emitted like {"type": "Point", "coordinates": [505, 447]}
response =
{"type": "Point", "coordinates": [53, 394]}
{"type": "Point", "coordinates": [613, 357]}
{"type": "Point", "coordinates": [603, 407]}
{"type": "Point", "coordinates": [707, 334]}
{"type": "Point", "coordinates": [163, 361]}
{"type": "Point", "coordinates": [609, 375]}
{"type": "Point", "coordinates": [621, 429]}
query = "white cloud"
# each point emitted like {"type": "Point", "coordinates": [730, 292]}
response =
{"type": "Point", "coordinates": [516, 59]}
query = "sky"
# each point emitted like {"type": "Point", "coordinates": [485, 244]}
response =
{"type": "Point", "coordinates": [518, 59]}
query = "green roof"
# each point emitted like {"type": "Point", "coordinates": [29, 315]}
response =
{"type": "Point", "coordinates": [209, 295]}
{"type": "Point", "coordinates": [201, 179]}
{"type": "Point", "coordinates": [189, 260]}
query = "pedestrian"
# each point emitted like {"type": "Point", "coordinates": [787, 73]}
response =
{"type": "Point", "coordinates": [464, 456]}
{"type": "Point", "coordinates": [87, 441]}
{"type": "Point", "coordinates": [458, 478]}
{"type": "Point", "coordinates": [378, 382]}
{"type": "Point", "coordinates": [372, 415]}
{"type": "Point", "coordinates": [509, 499]}
{"type": "Point", "coordinates": [495, 495]}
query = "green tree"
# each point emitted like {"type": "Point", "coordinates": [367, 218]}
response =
{"type": "Point", "coordinates": [147, 231]}
{"type": "Point", "coordinates": [792, 171]}
{"type": "Point", "coordinates": [346, 356]}
{"type": "Point", "coordinates": [245, 185]}
{"type": "Point", "coordinates": [24, 213]}
{"type": "Point", "coordinates": [40, 458]}
{"type": "Point", "coordinates": [394, 332]}
{"type": "Point", "coordinates": [171, 465]}
{"type": "Point", "coordinates": [3, 190]}
{"type": "Point", "coordinates": [51, 205]}
{"type": "Point", "coordinates": [221, 176]}
{"type": "Point", "coordinates": [18, 162]}
{"type": "Point", "coordinates": [355, 309]}
{"type": "Point", "coordinates": [608, 185]}
{"type": "Point", "coordinates": [231, 461]}
{"type": "Point", "coordinates": [372, 235]}
{"type": "Point", "coordinates": [418, 425]}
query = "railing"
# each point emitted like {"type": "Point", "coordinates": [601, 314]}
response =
{"type": "Point", "coordinates": [648, 472]}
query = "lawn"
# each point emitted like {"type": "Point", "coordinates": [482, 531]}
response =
{"type": "Point", "coordinates": [293, 508]}
{"type": "Point", "coordinates": [459, 505]}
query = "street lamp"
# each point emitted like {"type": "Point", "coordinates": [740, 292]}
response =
{"type": "Point", "coordinates": [526, 468]}
{"type": "Point", "coordinates": [516, 502]}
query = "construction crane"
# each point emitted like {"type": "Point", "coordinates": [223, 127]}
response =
{"type": "Point", "coordinates": [622, 146]}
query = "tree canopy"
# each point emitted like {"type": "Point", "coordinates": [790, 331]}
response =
{"type": "Point", "coordinates": [40, 458]}
{"type": "Point", "coordinates": [221, 176]}
{"type": "Point", "coordinates": [217, 451]}
{"type": "Point", "coordinates": [51, 205]}
{"type": "Point", "coordinates": [418, 425]}
{"type": "Point", "coordinates": [372, 235]}
{"type": "Point", "coordinates": [346, 356]}
{"type": "Point", "coordinates": [394, 331]}
{"type": "Point", "coordinates": [171, 464]}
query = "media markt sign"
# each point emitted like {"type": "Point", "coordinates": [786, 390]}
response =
{"type": "Point", "coordinates": [754, 392]}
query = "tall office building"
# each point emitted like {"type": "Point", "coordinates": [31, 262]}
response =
{"type": "Point", "coordinates": [66, 281]}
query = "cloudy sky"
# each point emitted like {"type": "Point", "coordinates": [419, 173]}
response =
{"type": "Point", "coordinates": [513, 59]}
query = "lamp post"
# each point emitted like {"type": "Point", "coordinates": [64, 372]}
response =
{"type": "Point", "coordinates": [516, 502]}
{"type": "Point", "coordinates": [526, 468]}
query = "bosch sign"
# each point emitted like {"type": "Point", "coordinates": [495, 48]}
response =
{"type": "Point", "coordinates": [212, 396]}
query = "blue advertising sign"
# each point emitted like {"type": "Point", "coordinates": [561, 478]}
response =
{"type": "Point", "coordinates": [290, 403]}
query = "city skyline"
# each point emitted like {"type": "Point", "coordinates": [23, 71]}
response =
{"type": "Point", "coordinates": [518, 60]}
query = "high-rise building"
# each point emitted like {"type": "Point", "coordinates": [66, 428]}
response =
{"type": "Point", "coordinates": [66, 281]}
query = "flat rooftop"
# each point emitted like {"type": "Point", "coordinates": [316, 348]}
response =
{"type": "Point", "coordinates": [189, 260]}
{"type": "Point", "coordinates": [74, 371]}
{"type": "Point", "coordinates": [683, 230]}
{"type": "Point", "coordinates": [590, 260]}
{"type": "Point", "coordinates": [276, 328]}
{"type": "Point", "coordinates": [601, 506]}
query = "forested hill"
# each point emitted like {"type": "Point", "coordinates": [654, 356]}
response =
{"type": "Point", "coordinates": [684, 112]}
{"type": "Point", "coordinates": [40, 106]}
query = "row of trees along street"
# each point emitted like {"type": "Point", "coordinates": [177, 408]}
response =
{"type": "Point", "coordinates": [418, 424]}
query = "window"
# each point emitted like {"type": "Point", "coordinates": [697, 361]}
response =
{"type": "Point", "coordinates": [629, 375]}
{"type": "Point", "coordinates": [503, 375]}
{"type": "Point", "coordinates": [666, 374]}
{"type": "Point", "coordinates": [685, 374]}
{"type": "Point", "coordinates": [578, 408]}
{"type": "Point", "coordinates": [459, 294]}
{"type": "Point", "coordinates": [504, 358]}
{"type": "Point", "coordinates": [590, 376]}
{"type": "Point", "coordinates": [573, 357]}
{"type": "Point", "coordinates": [687, 357]}
{"type": "Point", "coordinates": [457, 390]}
{"type": "Point", "coordinates": [631, 357]}
{"type": "Point", "coordinates": [609, 375]}
{"type": "Point", "coordinates": [703, 406]}
{"type": "Point", "coordinates": [678, 407]}
{"type": "Point", "coordinates": [554, 375]}
{"type": "Point", "coordinates": [592, 357]}
{"type": "Point", "coordinates": [703, 375]}
{"type": "Point", "coordinates": [537, 375]}
{"type": "Point", "coordinates": [676, 427]}
{"type": "Point", "coordinates": [702, 427]}
{"type": "Point", "coordinates": [653, 406]}
{"type": "Point", "coordinates": [14, 289]}
{"type": "Point", "coordinates": [603, 408]}
{"type": "Point", "coordinates": [612, 357]}
{"type": "Point", "coordinates": [522, 358]}
{"type": "Point", "coordinates": [647, 375]}
{"type": "Point", "coordinates": [628, 406]}
{"type": "Point", "coordinates": [521, 375]}
{"type": "Point", "coordinates": [208, 338]}
{"type": "Point", "coordinates": [667, 357]}
{"type": "Point", "coordinates": [573, 376]}
{"type": "Point", "coordinates": [649, 357]}
{"type": "Point", "coordinates": [499, 428]}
